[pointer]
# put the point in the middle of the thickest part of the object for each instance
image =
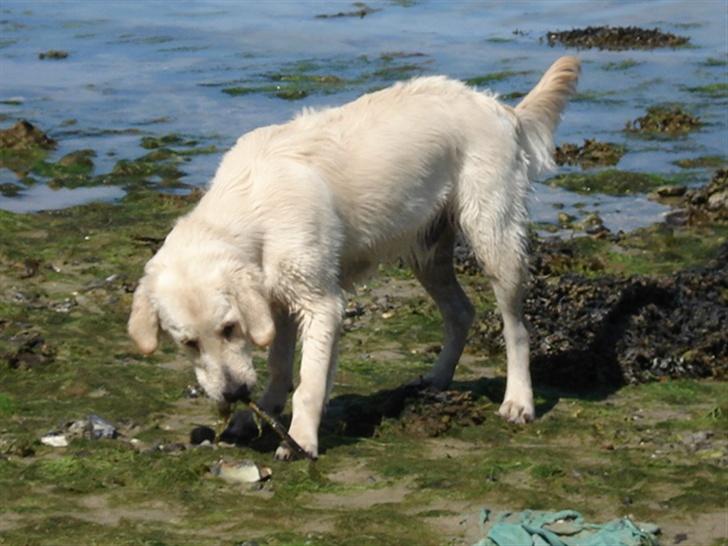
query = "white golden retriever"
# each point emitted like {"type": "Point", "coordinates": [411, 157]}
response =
{"type": "Point", "coordinates": [299, 212]}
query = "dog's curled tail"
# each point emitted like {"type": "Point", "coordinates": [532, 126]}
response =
{"type": "Point", "coordinates": [540, 112]}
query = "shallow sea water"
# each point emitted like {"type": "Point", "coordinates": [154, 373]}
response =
{"type": "Point", "coordinates": [152, 68]}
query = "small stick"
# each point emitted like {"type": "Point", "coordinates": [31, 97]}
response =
{"type": "Point", "coordinates": [281, 431]}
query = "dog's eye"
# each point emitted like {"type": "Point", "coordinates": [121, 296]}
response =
{"type": "Point", "coordinates": [192, 344]}
{"type": "Point", "coordinates": [227, 331]}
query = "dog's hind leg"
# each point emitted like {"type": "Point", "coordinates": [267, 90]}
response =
{"type": "Point", "coordinates": [502, 255]}
{"type": "Point", "coordinates": [517, 404]}
{"type": "Point", "coordinates": [493, 218]}
{"type": "Point", "coordinates": [436, 274]}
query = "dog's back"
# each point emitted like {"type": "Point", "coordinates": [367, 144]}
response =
{"type": "Point", "coordinates": [393, 161]}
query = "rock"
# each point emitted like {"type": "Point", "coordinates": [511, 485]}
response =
{"type": "Point", "coordinates": [670, 191]}
{"type": "Point", "coordinates": [25, 136]}
{"type": "Point", "coordinates": [202, 434]}
{"type": "Point", "coordinates": [242, 472]}
{"type": "Point", "coordinates": [100, 428]}
{"type": "Point", "coordinates": [172, 447]}
{"type": "Point", "coordinates": [192, 391]}
{"type": "Point", "coordinates": [709, 204]}
{"type": "Point", "coordinates": [79, 429]}
{"type": "Point", "coordinates": [55, 439]}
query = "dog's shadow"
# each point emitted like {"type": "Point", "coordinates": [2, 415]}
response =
{"type": "Point", "coordinates": [352, 417]}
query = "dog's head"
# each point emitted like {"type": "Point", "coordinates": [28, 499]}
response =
{"type": "Point", "coordinates": [215, 312]}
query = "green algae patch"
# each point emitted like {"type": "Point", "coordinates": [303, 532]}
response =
{"type": "Point", "coordinates": [610, 182]}
{"type": "Point", "coordinates": [702, 162]}
{"type": "Point", "coordinates": [626, 64]}
{"type": "Point", "coordinates": [305, 78]}
{"type": "Point", "coordinates": [712, 90]}
{"type": "Point", "coordinates": [666, 120]}
{"type": "Point", "coordinates": [487, 79]}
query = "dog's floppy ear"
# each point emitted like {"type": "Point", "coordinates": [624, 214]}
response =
{"type": "Point", "coordinates": [143, 324]}
{"type": "Point", "coordinates": [256, 314]}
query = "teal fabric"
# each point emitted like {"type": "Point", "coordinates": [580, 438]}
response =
{"type": "Point", "coordinates": [564, 528]}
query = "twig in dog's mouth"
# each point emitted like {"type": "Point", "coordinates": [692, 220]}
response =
{"type": "Point", "coordinates": [226, 411]}
{"type": "Point", "coordinates": [281, 431]}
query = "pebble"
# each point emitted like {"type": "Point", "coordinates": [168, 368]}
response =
{"type": "Point", "coordinates": [55, 440]}
{"type": "Point", "coordinates": [243, 472]}
{"type": "Point", "coordinates": [100, 428]}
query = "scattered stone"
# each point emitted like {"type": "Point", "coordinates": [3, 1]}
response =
{"type": "Point", "coordinates": [100, 428]}
{"type": "Point", "coordinates": [709, 203]}
{"type": "Point", "coordinates": [591, 154]}
{"type": "Point", "coordinates": [172, 447]}
{"type": "Point", "coordinates": [243, 472]}
{"type": "Point", "coordinates": [200, 434]}
{"type": "Point", "coordinates": [25, 136]}
{"type": "Point", "coordinates": [615, 38]}
{"type": "Point", "coordinates": [55, 439]}
{"type": "Point", "coordinates": [192, 391]}
{"type": "Point", "coordinates": [671, 191]}
{"type": "Point", "coordinates": [667, 120]}
{"type": "Point", "coordinates": [53, 54]}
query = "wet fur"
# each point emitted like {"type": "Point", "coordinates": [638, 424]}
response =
{"type": "Point", "coordinates": [297, 213]}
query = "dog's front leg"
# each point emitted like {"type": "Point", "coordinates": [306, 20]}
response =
{"type": "Point", "coordinates": [319, 334]}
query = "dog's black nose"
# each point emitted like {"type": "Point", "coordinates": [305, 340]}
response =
{"type": "Point", "coordinates": [241, 394]}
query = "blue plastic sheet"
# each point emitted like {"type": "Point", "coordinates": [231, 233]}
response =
{"type": "Point", "coordinates": [564, 528]}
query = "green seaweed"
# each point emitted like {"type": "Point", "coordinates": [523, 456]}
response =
{"type": "Point", "coordinates": [626, 64]}
{"type": "Point", "coordinates": [702, 162]}
{"type": "Point", "coordinates": [713, 90]}
{"type": "Point", "coordinates": [492, 77]}
{"type": "Point", "coordinates": [610, 182]}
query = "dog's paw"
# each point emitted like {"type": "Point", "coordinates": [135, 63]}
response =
{"type": "Point", "coordinates": [242, 429]}
{"type": "Point", "coordinates": [516, 412]}
{"type": "Point", "coordinates": [286, 453]}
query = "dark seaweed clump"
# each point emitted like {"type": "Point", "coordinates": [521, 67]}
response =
{"type": "Point", "coordinates": [615, 38]}
{"type": "Point", "coordinates": [592, 153]}
{"type": "Point", "coordinates": [361, 11]}
{"type": "Point", "coordinates": [671, 120]}
{"type": "Point", "coordinates": [606, 332]}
